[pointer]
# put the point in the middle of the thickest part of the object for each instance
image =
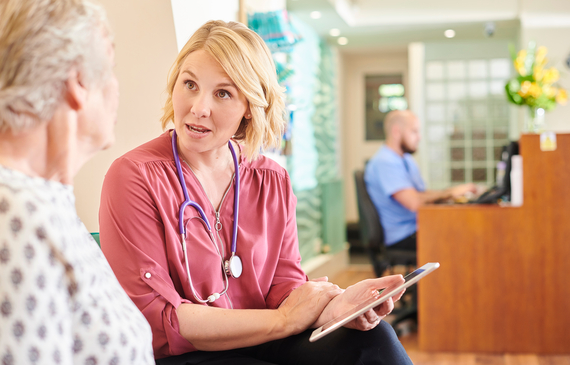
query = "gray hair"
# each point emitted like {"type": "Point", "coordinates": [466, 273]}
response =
{"type": "Point", "coordinates": [40, 42]}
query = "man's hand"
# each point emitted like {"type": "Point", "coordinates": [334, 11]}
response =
{"type": "Point", "coordinates": [463, 189]}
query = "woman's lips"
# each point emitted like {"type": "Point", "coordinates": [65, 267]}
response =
{"type": "Point", "coordinates": [197, 131]}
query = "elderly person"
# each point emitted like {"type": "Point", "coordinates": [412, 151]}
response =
{"type": "Point", "coordinates": [201, 232]}
{"type": "Point", "coordinates": [59, 300]}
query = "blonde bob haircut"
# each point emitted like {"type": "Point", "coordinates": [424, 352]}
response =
{"type": "Point", "coordinates": [246, 59]}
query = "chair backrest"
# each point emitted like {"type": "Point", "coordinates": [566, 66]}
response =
{"type": "Point", "coordinates": [95, 236]}
{"type": "Point", "coordinates": [371, 232]}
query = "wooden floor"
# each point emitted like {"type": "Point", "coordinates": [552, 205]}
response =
{"type": "Point", "coordinates": [355, 273]}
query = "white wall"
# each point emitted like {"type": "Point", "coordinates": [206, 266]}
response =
{"type": "Point", "coordinates": [145, 47]}
{"type": "Point", "coordinates": [356, 150]}
{"type": "Point", "coordinates": [190, 15]}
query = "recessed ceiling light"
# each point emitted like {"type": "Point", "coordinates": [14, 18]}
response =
{"type": "Point", "coordinates": [342, 41]}
{"type": "Point", "coordinates": [316, 14]}
{"type": "Point", "coordinates": [334, 32]}
{"type": "Point", "coordinates": [450, 33]}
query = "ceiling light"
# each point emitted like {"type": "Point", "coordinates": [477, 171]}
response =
{"type": "Point", "coordinates": [334, 32]}
{"type": "Point", "coordinates": [450, 33]}
{"type": "Point", "coordinates": [316, 14]}
{"type": "Point", "coordinates": [342, 41]}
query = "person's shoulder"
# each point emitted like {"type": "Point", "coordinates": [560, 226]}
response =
{"type": "Point", "coordinates": [266, 165]}
{"type": "Point", "coordinates": [386, 157]}
{"type": "Point", "coordinates": [27, 192]}
{"type": "Point", "coordinates": [30, 208]}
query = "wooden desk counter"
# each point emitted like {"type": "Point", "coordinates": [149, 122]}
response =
{"type": "Point", "coordinates": [504, 280]}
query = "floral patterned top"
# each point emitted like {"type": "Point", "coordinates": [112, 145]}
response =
{"type": "Point", "coordinates": [60, 302]}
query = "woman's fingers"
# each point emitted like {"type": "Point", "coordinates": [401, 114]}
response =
{"type": "Point", "coordinates": [323, 278]}
{"type": "Point", "coordinates": [386, 281]}
{"type": "Point", "coordinates": [385, 308]}
{"type": "Point", "coordinates": [371, 316]}
{"type": "Point", "coordinates": [397, 297]}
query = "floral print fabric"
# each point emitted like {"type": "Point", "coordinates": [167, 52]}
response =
{"type": "Point", "coordinates": [59, 300]}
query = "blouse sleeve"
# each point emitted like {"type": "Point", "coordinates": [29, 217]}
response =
{"type": "Point", "coordinates": [132, 239]}
{"type": "Point", "coordinates": [288, 274]}
{"type": "Point", "coordinates": [35, 313]}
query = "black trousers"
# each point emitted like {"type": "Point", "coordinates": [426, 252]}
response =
{"type": "Point", "coordinates": [406, 244]}
{"type": "Point", "coordinates": [342, 347]}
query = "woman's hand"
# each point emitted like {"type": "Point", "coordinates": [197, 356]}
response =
{"type": "Point", "coordinates": [358, 293]}
{"type": "Point", "coordinates": [225, 329]}
{"type": "Point", "coordinates": [306, 303]}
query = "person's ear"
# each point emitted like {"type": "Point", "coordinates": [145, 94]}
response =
{"type": "Point", "coordinates": [247, 114]}
{"type": "Point", "coordinates": [75, 93]}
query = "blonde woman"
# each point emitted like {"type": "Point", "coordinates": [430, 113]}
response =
{"type": "Point", "coordinates": [59, 300]}
{"type": "Point", "coordinates": [201, 230]}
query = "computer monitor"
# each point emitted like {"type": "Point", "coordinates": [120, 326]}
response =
{"type": "Point", "coordinates": [508, 152]}
{"type": "Point", "coordinates": [503, 186]}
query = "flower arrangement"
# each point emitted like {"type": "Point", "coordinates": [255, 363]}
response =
{"type": "Point", "coordinates": [535, 85]}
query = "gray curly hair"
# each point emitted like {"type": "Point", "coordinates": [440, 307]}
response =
{"type": "Point", "coordinates": [40, 42]}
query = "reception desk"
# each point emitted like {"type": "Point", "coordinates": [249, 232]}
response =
{"type": "Point", "coordinates": [504, 281]}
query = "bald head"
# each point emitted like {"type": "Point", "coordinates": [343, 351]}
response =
{"type": "Point", "coordinates": [397, 118]}
{"type": "Point", "coordinates": [402, 130]}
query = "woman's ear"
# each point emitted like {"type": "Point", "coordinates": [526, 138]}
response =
{"type": "Point", "coordinates": [247, 114]}
{"type": "Point", "coordinates": [75, 93]}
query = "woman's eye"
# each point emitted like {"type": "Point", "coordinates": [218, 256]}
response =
{"type": "Point", "coordinates": [223, 94]}
{"type": "Point", "coordinates": [189, 85]}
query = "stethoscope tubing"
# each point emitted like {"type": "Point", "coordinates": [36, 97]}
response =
{"type": "Point", "coordinates": [187, 201]}
{"type": "Point", "coordinates": [227, 266]}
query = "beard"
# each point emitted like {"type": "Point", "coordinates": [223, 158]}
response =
{"type": "Point", "coordinates": [407, 148]}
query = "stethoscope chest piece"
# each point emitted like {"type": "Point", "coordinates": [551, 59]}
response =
{"type": "Point", "coordinates": [233, 267]}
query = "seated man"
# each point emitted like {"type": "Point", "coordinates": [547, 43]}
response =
{"type": "Point", "coordinates": [395, 185]}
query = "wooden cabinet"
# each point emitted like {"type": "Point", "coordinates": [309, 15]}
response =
{"type": "Point", "coordinates": [504, 280]}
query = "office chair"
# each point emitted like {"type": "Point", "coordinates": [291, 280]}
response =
{"type": "Point", "coordinates": [381, 256]}
{"type": "Point", "coordinates": [372, 233]}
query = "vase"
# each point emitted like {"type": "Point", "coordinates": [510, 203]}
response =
{"type": "Point", "coordinates": [535, 120]}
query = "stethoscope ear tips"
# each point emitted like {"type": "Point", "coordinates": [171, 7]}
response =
{"type": "Point", "coordinates": [213, 297]}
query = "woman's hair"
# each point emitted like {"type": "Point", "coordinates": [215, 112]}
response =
{"type": "Point", "coordinates": [40, 42]}
{"type": "Point", "coordinates": [246, 59]}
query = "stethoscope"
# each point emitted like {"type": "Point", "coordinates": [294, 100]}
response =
{"type": "Point", "coordinates": [233, 266]}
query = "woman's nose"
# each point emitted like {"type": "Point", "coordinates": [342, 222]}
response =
{"type": "Point", "coordinates": [201, 107]}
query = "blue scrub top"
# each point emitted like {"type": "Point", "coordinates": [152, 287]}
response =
{"type": "Point", "coordinates": [387, 173]}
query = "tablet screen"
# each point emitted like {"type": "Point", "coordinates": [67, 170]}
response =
{"type": "Point", "coordinates": [373, 302]}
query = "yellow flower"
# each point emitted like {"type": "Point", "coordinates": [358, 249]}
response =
{"type": "Point", "coordinates": [550, 91]}
{"type": "Point", "coordinates": [519, 67]}
{"type": "Point", "coordinates": [538, 73]}
{"type": "Point", "coordinates": [519, 62]}
{"type": "Point", "coordinates": [535, 90]}
{"type": "Point", "coordinates": [540, 58]}
{"type": "Point", "coordinates": [525, 87]}
{"type": "Point", "coordinates": [561, 97]}
{"type": "Point", "coordinates": [551, 76]}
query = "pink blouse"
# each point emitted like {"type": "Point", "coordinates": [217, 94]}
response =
{"type": "Point", "coordinates": [139, 235]}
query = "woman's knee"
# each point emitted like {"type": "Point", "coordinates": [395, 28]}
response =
{"type": "Point", "coordinates": [377, 346]}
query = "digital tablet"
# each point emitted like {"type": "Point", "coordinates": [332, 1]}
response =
{"type": "Point", "coordinates": [373, 302]}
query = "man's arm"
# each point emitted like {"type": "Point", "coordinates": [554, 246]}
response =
{"type": "Point", "coordinates": [412, 199]}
